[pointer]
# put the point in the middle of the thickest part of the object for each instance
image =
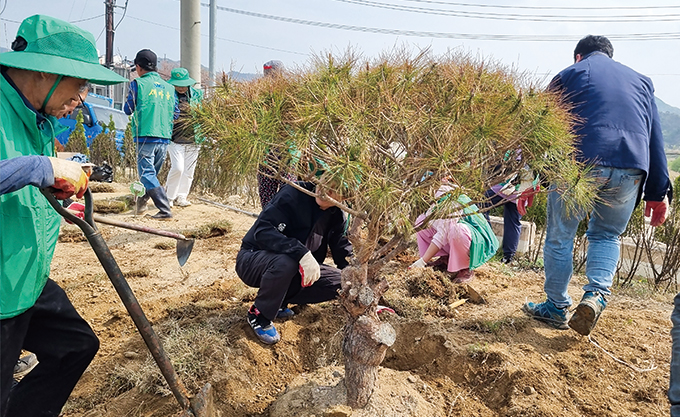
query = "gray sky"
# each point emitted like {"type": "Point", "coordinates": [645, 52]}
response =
{"type": "Point", "coordinates": [542, 34]}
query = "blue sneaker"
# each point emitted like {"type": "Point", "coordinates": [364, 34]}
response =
{"type": "Point", "coordinates": [587, 312]}
{"type": "Point", "coordinates": [285, 313]}
{"type": "Point", "coordinates": [263, 327]}
{"type": "Point", "coordinates": [548, 313]}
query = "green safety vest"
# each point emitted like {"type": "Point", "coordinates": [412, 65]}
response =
{"type": "Point", "coordinates": [155, 107]}
{"type": "Point", "coordinates": [29, 226]}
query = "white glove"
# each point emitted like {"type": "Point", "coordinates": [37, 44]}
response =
{"type": "Point", "coordinates": [69, 178]}
{"type": "Point", "coordinates": [420, 263]}
{"type": "Point", "coordinates": [309, 269]}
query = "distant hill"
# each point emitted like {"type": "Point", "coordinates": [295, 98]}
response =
{"type": "Point", "coordinates": [666, 108]}
{"type": "Point", "coordinates": [670, 123]}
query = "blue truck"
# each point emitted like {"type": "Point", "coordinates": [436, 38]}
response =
{"type": "Point", "coordinates": [97, 112]}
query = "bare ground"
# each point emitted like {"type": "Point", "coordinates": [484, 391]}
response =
{"type": "Point", "coordinates": [449, 359]}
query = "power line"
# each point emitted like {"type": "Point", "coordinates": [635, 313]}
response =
{"type": "Point", "coordinates": [447, 35]}
{"type": "Point", "coordinates": [122, 17]}
{"type": "Point", "coordinates": [87, 18]}
{"type": "Point", "coordinates": [515, 16]}
{"type": "Point", "coordinates": [495, 6]}
{"type": "Point", "coordinates": [224, 39]}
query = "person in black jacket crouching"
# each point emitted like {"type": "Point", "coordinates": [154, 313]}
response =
{"type": "Point", "coordinates": [283, 253]}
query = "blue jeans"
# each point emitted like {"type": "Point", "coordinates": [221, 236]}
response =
{"type": "Point", "coordinates": [674, 389]}
{"type": "Point", "coordinates": [617, 192]}
{"type": "Point", "coordinates": [512, 227]}
{"type": "Point", "coordinates": [150, 158]}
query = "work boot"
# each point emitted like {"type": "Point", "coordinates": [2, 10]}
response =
{"type": "Point", "coordinates": [160, 200]}
{"type": "Point", "coordinates": [587, 312]}
{"type": "Point", "coordinates": [140, 206]}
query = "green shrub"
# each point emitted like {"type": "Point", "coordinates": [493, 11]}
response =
{"type": "Point", "coordinates": [77, 142]}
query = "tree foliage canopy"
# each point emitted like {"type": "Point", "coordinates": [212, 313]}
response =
{"type": "Point", "coordinates": [386, 131]}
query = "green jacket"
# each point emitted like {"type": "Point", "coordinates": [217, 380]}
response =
{"type": "Point", "coordinates": [155, 107]}
{"type": "Point", "coordinates": [29, 226]}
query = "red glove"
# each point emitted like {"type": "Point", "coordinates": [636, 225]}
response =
{"type": "Point", "coordinates": [658, 211]}
{"type": "Point", "coordinates": [526, 199]}
{"type": "Point", "coordinates": [77, 209]}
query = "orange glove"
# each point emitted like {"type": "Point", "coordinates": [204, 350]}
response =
{"type": "Point", "coordinates": [69, 178]}
{"type": "Point", "coordinates": [526, 199]}
{"type": "Point", "coordinates": [77, 209]}
{"type": "Point", "coordinates": [657, 209]}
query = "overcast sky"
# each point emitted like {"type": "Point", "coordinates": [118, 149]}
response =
{"type": "Point", "coordinates": [534, 36]}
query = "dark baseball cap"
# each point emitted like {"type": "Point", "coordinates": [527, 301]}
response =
{"type": "Point", "coordinates": [147, 59]}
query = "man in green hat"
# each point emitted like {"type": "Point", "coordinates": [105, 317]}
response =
{"type": "Point", "coordinates": [151, 102]}
{"type": "Point", "coordinates": [185, 143]}
{"type": "Point", "coordinates": [50, 62]}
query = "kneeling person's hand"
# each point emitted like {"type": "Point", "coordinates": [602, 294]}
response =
{"type": "Point", "coordinates": [309, 269]}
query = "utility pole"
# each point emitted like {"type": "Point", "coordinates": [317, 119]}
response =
{"type": "Point", "coordinates": [212, 35]}
{"type": "Point", "coordinates": [108, 60]}
{"type": "Point", "coordinates": [190, 37]}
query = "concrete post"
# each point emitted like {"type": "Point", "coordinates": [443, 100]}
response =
{"type": "Point", "coordinates": [190, 37]}
{"type": "Point", "coordinates": [212, 46]}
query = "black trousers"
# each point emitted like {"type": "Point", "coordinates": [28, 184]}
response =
{"type": "Point", "coordinates": [64, 344]}
{"type": "Point", "coordinates": [278, 278]}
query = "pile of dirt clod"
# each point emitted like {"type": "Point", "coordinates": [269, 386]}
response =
{"type": "Point", "coordinates": [449, 359]}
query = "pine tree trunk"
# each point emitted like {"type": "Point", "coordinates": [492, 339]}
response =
{"type": "Point", "coordinates": [366, 337]}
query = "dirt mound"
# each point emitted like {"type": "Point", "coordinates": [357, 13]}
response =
{"type": "Point", "coordinates": [449, 358]}
{"type": "Point", "coordinates": [323, 393]}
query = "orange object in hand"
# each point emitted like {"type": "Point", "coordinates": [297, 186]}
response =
{"type": "Point", "coordinates": [69, 178]}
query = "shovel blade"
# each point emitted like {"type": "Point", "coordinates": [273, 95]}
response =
{"type": "Point", "coordinates": [202, 405]}
{"type": "Point", "coordinates": [184, 248]}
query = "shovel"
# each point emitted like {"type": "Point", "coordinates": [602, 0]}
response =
{"type": "Point", "coordinates": [199, 406]}
{"type": "Point", "coordinates": [184, 244]}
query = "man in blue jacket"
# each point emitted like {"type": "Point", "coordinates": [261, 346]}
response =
{"type": "Point", "coordinates": [620, 135]}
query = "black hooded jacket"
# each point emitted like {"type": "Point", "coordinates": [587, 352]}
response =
{"type": "Point", "coordinates": [292, 224]}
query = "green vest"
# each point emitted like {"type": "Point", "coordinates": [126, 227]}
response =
{"type": "Point", "coordinates": [29, 226]}
{"type": "Point", "coordinates": [155, 107]}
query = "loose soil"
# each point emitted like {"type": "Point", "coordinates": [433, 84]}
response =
{"type": "Point", "coordinates": [451, 358]}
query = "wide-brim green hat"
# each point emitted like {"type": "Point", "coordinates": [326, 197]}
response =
{"type": "Point", "coordinates": [179, 77]}
{"type": "Point", "coordinates": [50, 45]}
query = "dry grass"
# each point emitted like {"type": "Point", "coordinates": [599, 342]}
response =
{"type": "Point", "coordinates": [206, 231]}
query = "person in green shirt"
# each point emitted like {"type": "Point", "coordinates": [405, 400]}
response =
{"type": "Point", "coordinates": [48, 68]}
{"type": "Point", "coordinates": [151, 102]}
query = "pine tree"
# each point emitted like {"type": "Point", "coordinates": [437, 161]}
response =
{"type": "Point", "coordinates": [77, 142]}
{"type": "Point", "coordinates": [385, 133]}
{"type": "Point", "coordinates": [128, 160]}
